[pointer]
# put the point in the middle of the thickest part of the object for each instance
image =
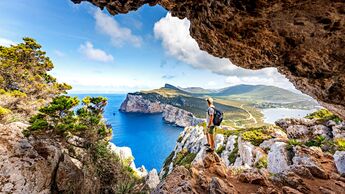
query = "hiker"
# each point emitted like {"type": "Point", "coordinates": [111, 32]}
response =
{"type": "Point", "coordinates": [213, 118]}
{"type": "Point", "coordinates": [209, 124]}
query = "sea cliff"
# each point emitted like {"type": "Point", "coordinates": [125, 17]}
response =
{"type": "Point", "coordinates": [136, 102]}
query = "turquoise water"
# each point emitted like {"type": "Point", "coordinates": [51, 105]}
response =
{"type": "Point", "coordinates": [150, 139]}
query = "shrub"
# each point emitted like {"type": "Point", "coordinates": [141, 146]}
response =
{"type": "Point", "coordinates": [4, 112]}
{"type": "Point", "coordinates": [340, 143]}
{"type": "Point", "coordinates": [220, 149]}
{"type": "Point", "coordinates": [323, 115]}
{"type": "Point", "coordinates": [184, 158]}
{"type": "Point", "coordinates": [317, 141]}
{"type": "Point", "coordinates": [262, 162]}
{"type": "Point", "coordinates": [292, 143]}
{"type": "Point", "coordinates": [256, 136]}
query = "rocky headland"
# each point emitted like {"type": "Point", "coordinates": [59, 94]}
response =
{"type": "Point", "coordinates": [139, 103]}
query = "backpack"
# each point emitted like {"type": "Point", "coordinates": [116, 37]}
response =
{"type": "Point", "coordinates": [217, 117]}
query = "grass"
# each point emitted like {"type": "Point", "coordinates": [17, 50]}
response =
{"type": "Point", "coordinates": [340, 143]}
{"type": "Point", "coordinates": [256, 136]}
{"type": "Point", "coordinates": [317, 141]}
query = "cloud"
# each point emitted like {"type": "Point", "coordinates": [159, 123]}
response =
{"type": "Point", "coordinates": [6, 42]}
{"type": "Point", "coordinates": [168, 76]}
{"type": "Point", "coordinates": [177, 42]}
{"type": "Point", "coordinates": [92, 53]}
{"type": "Point", "coordinates": [119, 35]}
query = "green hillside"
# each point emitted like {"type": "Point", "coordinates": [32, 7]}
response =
{"type": "Point", "coordinates": [241, 104]}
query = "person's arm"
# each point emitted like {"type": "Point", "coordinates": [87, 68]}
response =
{"type": "Point", "coordinates": [210, 121]}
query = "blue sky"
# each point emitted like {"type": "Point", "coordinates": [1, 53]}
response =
{"type": "Point", "coordinates": [96, 52]}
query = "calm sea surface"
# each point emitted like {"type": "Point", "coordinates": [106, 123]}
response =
{"type": "Point", "coordinates": [150, 139]}
{"type": "Point", "coordinates": [273, 114]}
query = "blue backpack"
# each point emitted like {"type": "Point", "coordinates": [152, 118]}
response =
{"type": "Point", "coordinates": [217, 117]}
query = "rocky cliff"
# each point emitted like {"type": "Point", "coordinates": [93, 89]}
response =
{"type": "Point", "coordinates": [300, 156]}
{"type": "Point", "coordinates": [304, 40]}
{"type": "Point", "coordinates": [29, 165]}
{"type": "Point", "coordinates": [171, 114]}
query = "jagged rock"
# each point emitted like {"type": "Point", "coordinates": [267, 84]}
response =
{"type": "Point", "coordinates": [289, 190]}
{"type": "Point", "coordinates": [301, 171]}
{"type": "Point", "coordinates": [267, 144]}
{"type": "Point", "coordinates": [338, 131]}
{"type": "Point", "coordinates": [297, 131]}
{"type": "Point", "coordinates": [245, 150]}
{"type": "Point", "coordinates": [291, 179]}
{"type": "Point", "coordinates": [253, 177]}
{"type": "Point", "coordinates": [309, 158]}
{"type": "Point", "coordinates": [229, 147]}
{"type": "Point", "coordinates": [76, 141]}
{"type": "Point", "coordinates": [339, 160]}
{"type": "Point", "coordinates": [278, 158]}
{"type": "Point", "coordinates": [218, 186]}
{"type": "Point", "coordinates": [127, 158]}
{"type": "Point", "coordinates": [152, 179]}
{"type": "Point", "coordinates": [219, 141]}
{"type": "Point", "coordinates": [321, 130]}
{"type": "Point", "coordinates": [326, 190]}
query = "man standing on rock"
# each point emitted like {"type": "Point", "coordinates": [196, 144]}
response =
{"type": "Point", "coordinates": [209, 124]}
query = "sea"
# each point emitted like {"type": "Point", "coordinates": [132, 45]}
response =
{"type": "Point", "coordinates": [149, 137]}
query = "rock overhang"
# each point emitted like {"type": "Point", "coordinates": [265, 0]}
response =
{"type": "Point", "coordinates": [304, 40]}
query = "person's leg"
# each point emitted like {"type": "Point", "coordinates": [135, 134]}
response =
{"type": "Point", "coordinates": [211, 138]}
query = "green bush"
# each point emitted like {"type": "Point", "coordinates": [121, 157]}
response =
{"type": "Point", "coordinates": [317, 141]}
{"type": "Point", "coordinates": [340, 143]}
{"type": "Point", "coordinates": [256, 136]}
{"type": "Point", "coordinates": [292, 143]}
{"type": "Point", "coordinates": [4, 111]}
{"type": "Point", "coordinates": [184, 158]}
{"type": "Point", "coordinates": [220, 149]}
{"type": "Point", "coordinates": [323, 115]}
{"type": "Point", "coordinates": [262, 162]}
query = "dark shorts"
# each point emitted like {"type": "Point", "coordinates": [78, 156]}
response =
{"type": "Point", "coordinates": [211, 129]}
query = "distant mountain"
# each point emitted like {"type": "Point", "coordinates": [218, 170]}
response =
{"type": "Point", "coordinates": [197, 90]}
{"type": "Point", "coordinates": [261, 93]}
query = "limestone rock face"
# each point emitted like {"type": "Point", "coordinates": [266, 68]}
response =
{"type": "Point", "coordinates": [339, 160]}
{"type": "Point", "coordinates": [152, 179]}
{"type": "Point", "coordinates": [304, 40]}
{"type": "Point", "coordinates": [171, 114]}
{"type": "Point", "coordinates": [278, 158]}
{"type": "Point", "coordinates": [36, 166]}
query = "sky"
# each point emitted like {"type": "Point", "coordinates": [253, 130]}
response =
{"type": "Point", "coordinates": [99, 53]}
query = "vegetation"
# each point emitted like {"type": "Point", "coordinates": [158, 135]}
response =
{"type": "Point", "coordinates": [317, 141]}
{"type": "Point", "coordinates": [340, 143]}
{"type": "Point", "coordinates": [25, 84]}
{"type": "Point", "coordinates": [220, 149]}
{"type": "Point", "coordinates": [29, 93]}
{"type": "Point", "coordinates": [324, 115]}
{"type": "Point", "coordinates": [233, 155]}
{"type": "Point", "coordinates": [255, 136]}
{"type": "Point", "coordinates": [292, 143]}
{"type": "Point", "coordinates": [262, 162]}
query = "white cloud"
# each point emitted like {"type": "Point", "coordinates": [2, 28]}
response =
{"type": "Point", "coordinates": [88, 50]}
{"type": "Point", "coordinates": [6, 42]}
{"type": "Point", "coordinates": [178, 43]}
{"type": "Point", "coordinates": [118, 35]}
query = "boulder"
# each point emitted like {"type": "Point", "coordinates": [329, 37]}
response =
{"type": "Point", "coordinates": [245, 151]}
{"type": "Point", "coordinates": [322, 131]}
{"type": "Point", "coordinates": [297, 131]}
{"type": "Point", "coordinates": [229, 147]}
{"type": "Point", "coordinates": [278, 159]}
{"type": "Point", "coordinates": [152, 179]}
{"type": "Point", "coordinates": [219, 141]}
{"type": "Point", "coordinates": [339, 160]}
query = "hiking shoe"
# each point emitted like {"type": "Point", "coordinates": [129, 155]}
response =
{"type": "Point", "coordinates": [207, 145]}
{"type": "Point", "coordinates": [210, 150]}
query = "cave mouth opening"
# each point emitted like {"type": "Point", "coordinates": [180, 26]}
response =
{"type": "Point", "coordinates": [274, 34]}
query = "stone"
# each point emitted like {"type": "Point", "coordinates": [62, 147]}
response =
{"type": "Point", "coordinates": [324, 190]}
{"type": "Point", "coordinates": [219, 141]}
{"type": "Point", "coordinates": [152, 179]}
{"type": "Point", "coordinates": [339, 160]}
{"type": "Point", "coordinates": [321, 130]}
{"type": "Point", "coordinates": [289, 190]}
{"type": "Point", "coordinates": [245, 151]}
{"type": "Point", "coordinates": [297, 131]}
{"type": "Point", "coordinates": [338, 131]}
{"type": "Point", "coordinates": [278, 158]}
{"type": "Point", "coordinates": [253, 177]}
{"type": "Point", "coordinates": [229, 147]}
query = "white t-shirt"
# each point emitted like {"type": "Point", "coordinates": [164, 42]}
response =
{"type": "Point", "coordinates": [210, 111]}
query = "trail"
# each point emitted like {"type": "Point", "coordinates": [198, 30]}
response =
{"type": "Point", "coordinates": [250, 115]}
